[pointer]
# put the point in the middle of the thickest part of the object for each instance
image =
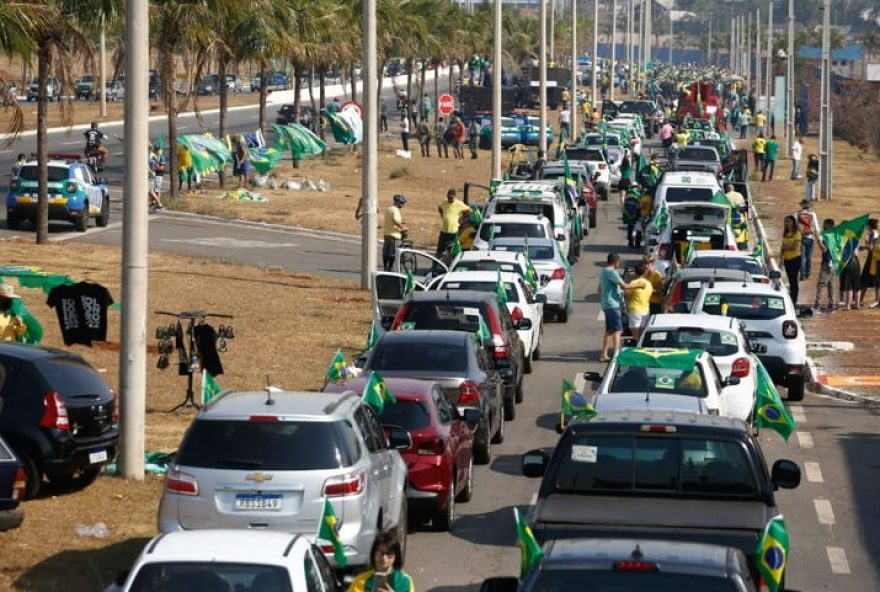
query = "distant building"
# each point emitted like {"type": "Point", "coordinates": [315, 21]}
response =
{"type": "Point", "coordinates": [851, 61]}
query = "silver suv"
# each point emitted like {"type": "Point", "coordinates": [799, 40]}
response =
{"type": "Point", "coordinates": [268, 460]}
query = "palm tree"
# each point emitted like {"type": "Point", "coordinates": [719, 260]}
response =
{"type": "Point", "coordinates": [16, 23]}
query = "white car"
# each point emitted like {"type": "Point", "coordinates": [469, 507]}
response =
{"type": "Point", "coordinates": [704, 224]}
{"type": "Point", "coordinates": [229, 560]}
{"type": "Point", "coordinates": [582, 173]}
{"type": "Point", "coordinates": [770, 319]}
{"type": "Point", "coordinates": [734, 260]}
{"type": "Point", "coordinates": [594, 158]}
{"type": "Point", "coordinates": [519, 226]}
{"type": "Point", "coordinates": [611, 142]}
{"type": "Point", "coordinates": [554, 276]}
{"type": "Point", "coordinates": [538, 198]}
{"type": "Point", "coordinates": [526, 309]}
{"type": "Point", "coordinates": [638, 388]}
{"type": "Point", "coordinates": [724, 338]}
{"type": "Point", "coordinates": [503, 260]}
{"type": "Point", "coordinates": [633, 120]}
{"type": "Point", "coordinates": [686, 186]}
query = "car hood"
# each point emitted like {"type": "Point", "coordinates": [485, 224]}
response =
{"type": "Point", "coordinates": [649, 401]}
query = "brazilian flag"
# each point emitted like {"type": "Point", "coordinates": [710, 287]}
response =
{"type": "Point", "coordinates": [410, 285]}
{"type": "Point", "coordinates": [484, 333]}
{"type": "Point", "coordinates": [769, 410]}
{"type": "Point", "coordinates": [476, 216]}
{"type": "Point", "coordinates": [574, 403]}
{"type": "Point", "coordinates": [377, 393]}
{"type": "Point", "coordinates": [661, 218]}
{"type": "Point", "coordinates": [455, 249]}
{"type": "Point", "coordinates": [373, 337]}
{"type": "Point", "coordinates": [500, 291]}
{"type": "Point", "coordinates": [689, 252]}
{"type": "Point", "coordinates": [660, 357]}
{"type": "Point", "coordinates": [771, 553]}
{"type": "Point", "coordinates": [328, 530]}
{"type": "Point", "coordinates": [530, 550]}
{"type": "Point", "coordinates": [336, 369]}
{"type": "Point", "coordinates": [758, 253]}
{"type": "Point", "coordinates": [842, 239]}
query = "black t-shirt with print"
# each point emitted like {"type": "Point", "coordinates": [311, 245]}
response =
{"type": "Point", "coordinates": [82, 312]}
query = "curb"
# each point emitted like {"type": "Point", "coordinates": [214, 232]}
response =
{"type": "Point", "coordinates": [833, 391]}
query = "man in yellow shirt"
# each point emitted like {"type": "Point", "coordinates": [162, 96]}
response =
{"type": "Point", "coordinates": [451, 212]}
{"type": "Point", "coordinates": [682, 137]}
{"type": "Point", "coordinates": [656, 279]}
{"type": "Point", "coordinates": [760, 121]}
{"type": "Point", "coordinates": [11, 325]}
{"type": "Point", "coordinates": [392, 231]}
{"type": "Point", "coordinates": [638, 298]}
{"type": "Point", "coordinates": [759, 146]}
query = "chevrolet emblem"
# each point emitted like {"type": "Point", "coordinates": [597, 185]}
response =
{"type": "Point", "coordinates": [259, 477]}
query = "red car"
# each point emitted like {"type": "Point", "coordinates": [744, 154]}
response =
{"type": "Point", "coordinates": [440, 461]}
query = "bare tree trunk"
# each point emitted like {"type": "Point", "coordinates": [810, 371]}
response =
{"type": "Point", "coordinates": [263, 94]}
{"type": "Point", "coordinates": [224, 100]}
{"type": "Point", "coordinates": [297, 87]}
{"type": "Point", "coordinates": [354, 96]}
{"type": "Point", "coordinates": [312, 104]}
{"type": "Point", "coordinates": [411, 112]}
{"type": "Point", "coordinates": [42, 220]}
{"type": "Point", "coordinates": [436, 91]}
{"type": "Point", "coordinates": [422, 92]}
{"type": "Point", "coordinates": [171, 109]}
{"type": "Point", "coordinates": [321, 99]}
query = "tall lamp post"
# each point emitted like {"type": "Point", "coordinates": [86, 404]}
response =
{"type": "Point", "coordinates": [542, 80]}
{"type": "Point", "coordinates": [825, 121]}
{"type": "Point", "coordinates": [496, 93]}
{"type": "Point", "coordinates": [789, 105]}
{"type": "Point", "coordinates": [370, 172]}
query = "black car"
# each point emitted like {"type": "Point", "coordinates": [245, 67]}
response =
{"type": "Point", "coordinates": [58, 415]}
{"type": "Point", "coordinates": [457, 362]}
{"type": "Point", "coordinates": [286, 114]}
{"type": "Point", "coordinates": [12, 480]}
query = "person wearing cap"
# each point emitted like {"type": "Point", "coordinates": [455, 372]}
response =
{"type": "Point", "coordinates": [392, 231]}
{"type": "Point", "coordinates": [12, 325]}
{"type": "Point", "coordinates": [808, 225]}
{"type": "Point", "coordinates": [451, 212]}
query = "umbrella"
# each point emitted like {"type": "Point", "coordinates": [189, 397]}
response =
{"type": "Point", "coordinates": [299, 139]}
{"type": "Point", "coordinates": [733, 78]}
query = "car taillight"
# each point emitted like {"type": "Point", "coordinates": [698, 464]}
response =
{"type": "Point", "coordinates": [183, 483]}
{"type": "Point", "coordinates": [741, 367]}
{"type": "Point", "coordinates": [635, 566]}
{"type": "Point", "coordinates": [351, 484]}
{"type": "Point", "coordinates": [398, 318]}
{"type": "Point", "coordinates": [663, 251]}
{"type": "Point", "coordinates": [54, 412]}
{"type": "Point", "coordinates": [789, 329]}
{"type": "Point", "coordinates": [70, 187]}
{"type": "Point", "coordinates": [263, 418]}
{"type": "Point", "coordinates": [468, 392]}
{"type": "Point", "coordinates": [499, 346]}
{"type": "Point", "coordinates": [18, 484]}
{"type": "Point", "coordinates": [602, 166]}
{"type": "Point", "coordinates": [115, 414]}
{"type": "Point", "coordinates": [516, 314]}
{"type": "Point", "coordinates": [432, 446]}
{"type": "Point", "coordinates": [675, 295]}
{"type": "Point", "coordinates": [558, 274]}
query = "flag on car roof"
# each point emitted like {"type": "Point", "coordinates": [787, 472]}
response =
{"type": "Point", "coordinates": [669, 358]}
{"type": "Point", "coordinates": [328, 530]}
{"type": "Point", "coordinates": [336, 369]}
{"type": "Point", "coordinates": [377, 394]}
{"type": "Point", "coordinates": [210, 388]}
{"type": "Point", "coordinates": [689, 252]}
{"type": "Point", "coordinates": [769, 410]}
{"type": "Point", "coordinates": [574, 403]}
{"type": "Point", "coordinates": [373, 337]}
{"type": "Point", "coordinates": [500, 292]}
{"type": "Point", "coordinates": [771, 553]}
{"type": "Point", "coordinates": [529, 549]}
{"type": "Point", "coordinates": [842, 239]}
{"type": "Point", "coordinates": [485, 334]}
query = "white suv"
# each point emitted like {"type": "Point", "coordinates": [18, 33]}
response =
{"type": "Point", "coordinates": [519, 226]}
{"type": "Point", "coordinates": [770, 319]}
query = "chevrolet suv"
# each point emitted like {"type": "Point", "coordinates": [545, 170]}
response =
{"type": "Point", "coordinates": [269, 459]}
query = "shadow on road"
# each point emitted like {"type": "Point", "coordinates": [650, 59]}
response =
{"type": "Point", "coordinates": [507, 464]}
{"type": "Point", "coordinates": [489, 528]}
{"type": "Point", "coordinates": [548, 421]}
{"type": "Point", "coordinates": [862, 452]}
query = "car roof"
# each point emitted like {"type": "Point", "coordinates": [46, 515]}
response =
{"type": "Point", "coordinates": [480, 276]}
{"type": "Point", "coordinates": [452, 296]}
{"type": "Point", "coordinates": [538, 185]}
{"type": "Point", "coordinates": [33, 353]}
{"type": "Point", "coordinates": [436, 336]}
{"type": "Point", "coordinates": [221, 545]}
{"type": "Point", "coordinates": [640, 400]}
{"type": "Point", "coordinates": [303, 405]}
{"type": "Point", "coordinates": [751, 288]}
{"type": "Point", "coordinates": [697, 178]}
{"type": "Point", "coordinates": [401, 387]}
{"type": "Point", "coordinates": [533, 242]}
{"type": "Point", "coordinates": [724, 254]}
{"type": "Point", "coordinates": [682, 421]}
{"type": "Point", "coordinates": [691, 273]}
{"type": "Point", "coordinates": [679, 320]}
{"type": "Point", "coordinates": [493, 254]}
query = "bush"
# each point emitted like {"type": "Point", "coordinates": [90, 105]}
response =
{"type": "Point", "coordinates": [857, 117]}
{"type": "Point", "coordinates": [399, 172]}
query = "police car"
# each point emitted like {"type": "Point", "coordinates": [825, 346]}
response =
{"type": "Point", "coordinates": [75, 195]}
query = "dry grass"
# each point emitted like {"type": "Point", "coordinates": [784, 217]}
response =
{"type": "Point", "coordinates": [287, 327]}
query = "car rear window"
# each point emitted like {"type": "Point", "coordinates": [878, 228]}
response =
{"type": "Point", "coordinates": [744, 306]}
{"type": "Point", "coordinates": [237, 444]}
{"type": "Point", "coordinates": [599, 141]}
{"type": "Point", "coordinates": [409, 415]}
{"type": "Point", "coordinates": [490, 287]}
{"type": "Point", "coordinates": [584, 154]}
{"type": "Point", "coordinates": [717, 343]}
{"type": "Point", "coordinates": [700, 467]}
{"type": "Point", "coordinates": [419, 356]}
{"type": "Point", "coordinates": [487, 265]}
{"type": "Point", "coordinates": [510, 229]}
{"type": "Point", "coordinates": [72, 377]}
{"type": "Point", "coordinates": [443, 315]}
{"type": "Point", "coordinates": [736, 263]}
{"type": "Point", "coordinates": [636, 379]}
{"type": "Point", "coordinates": [56, 174]}
{"type": "Point", "coordinates": [696, 154]}
{"type": "Point", "coordinates": [210, 576]}
{"type": "Point", "coordinates": [536, 252]}
{"type": "Point", "coordinates": [524, 207]}
{"type": "Point", "coordinates": [680, 194]}
{"type": "Point", "coordinates": [602, 581]}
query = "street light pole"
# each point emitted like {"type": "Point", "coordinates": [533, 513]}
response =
{"type": "Point", "coordinates": [789, 105]}
{"type": "Point", "coordinates": [370, 172]}
{"type": "Point", "coordinates": [769, 67]}
{"type": "Point", "coordinates": [496, 93]}
{"type": "Point", "coordinates": [671, 34]}
{"type": "Point", "coordinates": [825, 121]}
{"type": "Point", "coordinates": [102, 79]}
{"type": "Point", "coordinates": [553, 31]}
{"type": "Point", "coordinates": [542, 78]}
{"type": "Point", "coordinates": [613, 44]}
{"type": "Point", "coordinates": [758, 52]}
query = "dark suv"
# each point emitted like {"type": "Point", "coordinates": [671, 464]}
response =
{"type": "Point", "coordinates": [57, 414]}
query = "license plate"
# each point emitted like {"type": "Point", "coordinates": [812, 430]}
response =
{"type": "Point", "coordinates": [257, 502]}
{"type": "Point", "coordinates": [98, 456]}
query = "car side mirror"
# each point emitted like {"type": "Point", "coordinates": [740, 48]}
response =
{"type": "Point", "coordinates": [472, 416]}
{"type": "Point", "coordinates": [534, 462]}
{"type": "Point", "coordinates": [560, 237]}
{"type": "Point", "coordinates": [524, 324]}
{"type": "Point", "coordinates": [361, 360]}
{"type": "Point", "coordinates": [399, 439]}
{"type": "Point", "coordinates": [731, 381]}
{"type": "Point", "coordinates": [592, 377]}
{"type": "Point", "coordinates": [785, 474]}
{"type": "Point", "coordinates": [500, 584]}
{"type": "Point", "coordinates": [757, 348]}
{"type": "Point", "coordinates": [541, 298]}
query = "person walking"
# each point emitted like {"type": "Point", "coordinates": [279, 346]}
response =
{"type": "Point", "coordinates": [427, 107]}
{"type": "Point", "coordinates": [743, 124]}
{"type": "Point", "coordinates": [185, 170]}
{"type": "Point", "coordinates": [242, 162]}
{"type": "Point", "coordinates": [771, 150]}
{"type": "Point", "coordinates": [564, 124]}
{"type": "Point", "coordinates": [797, 149]}
{"type": "Point", "coordinates": [459, 132]}
{"type": "Point", "coordinates": [790, 253]}
{"type": "Point", "coordinates": [611, 299]}
{"type": "Point", "coordinates": [666, 134]}
{"type": "Point", "coordinates": [758, 147]}
{"type": "Point", "coordinates": [826, 272]}
{"type": "Point", "coordinates": [392, 231]}
{"type": "Point", "coordinates": [812, 176]}
{"type": "Point", "coordinates": [404, 131]}
{"type": "Point", "coordinates": [425, 137]}
{"type": "Point", "coordinates": [451, 212]}
{"type": "Point", "coordinates": [473, 133]}
{"type": "Point", "coordinates": [625, 174]}
{"type": "Point", "coordinates": [538, 168]}
{"type": "Point", "coordinates": [385, 573]}
{"type": "Point", "coordinates": [440, 138]}
{"type": "Point", "coordinates": [638, 300]}
{"type": "Point", "coordinates": [808, 225]}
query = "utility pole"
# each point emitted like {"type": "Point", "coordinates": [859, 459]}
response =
{"type": "Point", "coordinates": [102, 78]}
{"type": "Point", "coordinates": [573, 129]}
{"type": "Point", "coordinates": [758, 52]}
{"type": "Point", "coordinates": [648, 27]}
{"type": "Point", "coordinates": [641, 42]}
{"type": "Point", "coordinates": [825, 121]}
{"type": "Point", "coordinates": [370, 172]}
{"type": "Point", "coordinates": [613, 44]}
{"type": "Point", "coordinates": [709, 48]}
{"type": "Point", "coordinates": [769, 68]}
{"type": "Point", "coordinates": [133, 338]}
{"type": "Point", "coordinates": [671, 34]}
{"type": "Point", "coordinates": [542, 77]}
{"type": "Point", "coordinates": [731, 58]}
{"type": "Point", "coordinates": [496, 93]}
{"type": "Point", "coordinates": [630, 11]}
{"type": "Point", "coordinates": [748, 52]}
{"type": "Point", "coordinates": [553, 31]}
{"type": "Point", "coordinates": [789, 104]}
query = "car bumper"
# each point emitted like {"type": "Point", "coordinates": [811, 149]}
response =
{"type": "Point", "coordinates": [779, 369]}
{"type": "Point", "coordinates": [557, 299]}
{"type": "Point", "coordinates": [10, 519]}
{"type": "Point", "coordinates": [56, 211]}
{"type": "Point", "coordinates": [76, 455]}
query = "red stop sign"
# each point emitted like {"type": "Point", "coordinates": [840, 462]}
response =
{"type": "Point", "coordinates": [446, 104]}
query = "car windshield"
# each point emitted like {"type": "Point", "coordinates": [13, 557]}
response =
{"type": "Point", "coordinates": [681, 194]}
{"type": "Point", "coordinates": [568, 580]}
{"type": "Point", "coordinates": [636, 379]}
{"type": "Point", "coordinates": [717, 343]}
{"type": "Point", "coordinates": [536, 252]}
{"type": "Point", "coordinates": [736, 263]}
{"type": "Point", "coordinates": [409, 415]}
{"type": "Point", "coordinates": [56, 174]}
{"type": "Point", "coordinates": [744, 306]}
{"type": "Point", "coordinates": [210, 576]}
{"type": "Point", "coordinates": [419, 355]}
{"type": "Point", "coordinates": [490, 287]}
{"type": "Point", "coordinates": [239, 444]}
{"type": "Point", "coordinates": [487, 265]}
{"type": "Point", "coordinates": [702, 467]}
{"type": "Point", "coordinates": [443, 315]}
{"type": "Point", "coordinates": [696, 154]}
{"type": "Point", "coordinates": [503, 206]}
{"type": "Point", "coordinates": [510, 229]}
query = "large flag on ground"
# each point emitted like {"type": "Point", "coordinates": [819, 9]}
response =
{"type": "Point", "coordinates": [671, 359]}
{"type": "Point", "coordinates": [771, 553]}
{"type": "Point", "coordinates": [574, 403]}
{"type": "Point", "coordinates": [842, 239]}
{"type": "Point", "coordinates": [328, 531]}
{"type": "Point", "coordinates": [769, 410]}
{"type": "Point", "coordinates": [210, 388]}
{"type": "Point", "coordinates": [377, 393]}
{"type": "Point", "coordinates": [529, 549]}
{"type": "Point", "coordinates": [336, 369]}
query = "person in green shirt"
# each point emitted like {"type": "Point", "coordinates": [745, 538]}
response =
{"type": "Point", "coordinates": [385, 573]}
{"type": "Point", "coordinates": [611, 287]}
{"type": "Point", "coordinates": [771, 150]}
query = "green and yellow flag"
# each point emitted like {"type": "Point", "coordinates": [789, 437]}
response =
{"type": "Point", "coordinates": [689, 252]}
{"type": "Point", "coordinates": [529, 549]}
{"type": "Point", "coordinates": [842, 239]}
{"type": "Point", "coordinates": [210, 388]}
{"type": "Point", "coordinates": [574, 403]}
{"type": "Point", "coordinates": [328, 530]}
{"type": "Point", "coordinates": [484, 333]}
{"type": "Point", "coordinates": [531, 272]}
{"type": "Point", "coordinates": [769, 410]}
{"type": "Point", "coordinates": [336, 369]}
{"type": "Point", "coordinates": [476, 216]}
{"type": "Point", "coordinates": [455, 249]}
{"type": "Point", "coordinates": [771, 553]}
{"type": "Point", "coordinates": [373, 337]}
{"type": "Point", "coordinates": [410, 285]}
{"type": "Point", "coordinates": [661, 217]}
{"type": "Point", "coordinates": [500, 292]}
{"type": "Point", "coordinates": [758, 252]}
{"type": "Point", "coordinates": [661, 357]}
{"type": "Point", "coordinates": [377, 393]}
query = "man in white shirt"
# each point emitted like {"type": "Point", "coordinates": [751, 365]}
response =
{"type": "Point", "coordinates": [734, 197]}
{"type": "Point", "coordinates": [797, 149]}
{"type": "Point", "coordinates": [564, 123]}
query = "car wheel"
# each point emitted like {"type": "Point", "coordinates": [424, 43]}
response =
{"type": "Point", "coordinates": [467, 492]}
{"type": "Point", "coordinates": [445, 516]}
{"type": "Point", "coordinates": [76, 481]}
{"type": "Point", "coordinates": [536, 355]}
{"type": "Point", "coordinates": [33, 475]}
{"type": "Point", "coordinates": [592, 218]}
{"type": "Point", "coordinates": [498, 438]}
{"type": "Point", "coordinates": [795, 387]}
{"type": "Point", "coordinates": [483, 446]}
{"type": "Point", "coordinates": [11, 220]}
{"type": "Point", "coordinates": [104, 218]}
{"type": "Point", "coordinates": [508, 414]}
{"type": "Point", "coordinates": [81, 222]}
{"type": "Point", "coordinates": [519, 393]}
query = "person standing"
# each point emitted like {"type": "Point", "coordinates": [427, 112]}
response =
{"type": "Point", "coordinates": [760, 122]}
{"type": "Point", "coordinates": [611, 287]}
{"type": "Point", "coordinates": [564, 124]}
{"type": "Point", "coordinates": [427, 107]}
{"type": "Point", "coordinates": [666, 134]}
{"type": "Point", "coordinates": [869, 270]}
{"type": "Point", "coordinates": [185, 170]}
{"type": "Point", "coordinates": [473, 137]}
{"type": "Point", "coordinates": [155, 201]}
{"type": "Point", "coordinates": [334, 106]}
{"type": "Point", "coordinates": [392, 231]}
{"type": "Point", "coordinates": [790, 253]}
{"type": "Point", "coordinates": [538, 168]}
{"type": "Point", "coordinates": [850, 282]}
{"type": "Point", "coordinates": [459, 132]}
{"type": "Point", "coordinates": [386, 568]}
{"type": "Point", "coordinates": [797, 149]}
{"type": "Point", "coordinates": [451, 212]}
{"type": "Point", "coordinates": [656, 279]}
{"type": "Point", "coordinates": [440, 138]}
{"type": "Point", "coordinates": [243, 160]}
{"type": "Point", "coordinates": [758, 147]}
{"type": "Point", "coordinates": [425, 137]}
{"type": "Point", "coordinates": [808, 225]}
{"type": "Point", "coordinates": [734, 197]}
{"type": "Point", "coordinates": [771, 150]}
{"type": "Point", "coordinates": [812, 176]}
{"type": "Point", "coordinates": [638, 300]}
{"type": "Point", "coordinates": [159, 179]}
{"type": "Point", "coordinates": [383, 116]}
{"type": "Point", "coordinates": [743, 123]}
{"type": "Point", "coordinates": [566, 98]}
{"type": "Point", "coordinates": [404, 131]}
{"type": "Point", "coordinates": [826, 272]}
{"type": "Point", "coordinates": [20, 161]}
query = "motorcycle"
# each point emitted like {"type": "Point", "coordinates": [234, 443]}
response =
{"type": "Point", "coordinates": [95, 159]}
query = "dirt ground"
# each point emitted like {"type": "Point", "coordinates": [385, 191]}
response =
{"type": "Point", "coordinates": [290, 341]}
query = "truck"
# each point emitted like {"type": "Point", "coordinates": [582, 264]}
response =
{"type": "Point", "coordinates": [557, 80]}
{"type": "Point", "coordinates": [474, 99]}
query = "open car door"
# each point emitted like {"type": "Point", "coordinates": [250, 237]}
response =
{"type": "Point", "coordinates": [423, 266]}
{"type": "Point", "coordinates": [389, 292]}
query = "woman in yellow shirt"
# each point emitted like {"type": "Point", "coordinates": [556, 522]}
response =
{"type": "Point", "coordinates": [656, 279]}
{"type": "Point", "coordinates": [791, 255]}
{"type": "Point", "coordinates": [638, 299]}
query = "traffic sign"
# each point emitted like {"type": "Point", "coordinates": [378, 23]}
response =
{"type": "Point", "coordinates": [353, 105]}
{"type": "Point", "coordinates": [446, 104]}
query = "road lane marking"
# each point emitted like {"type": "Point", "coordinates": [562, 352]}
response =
{"type": "Point", "coordinates": [71, 143]}
{"type": "Point", "coordinates": [814, 472]}
{"type": "Point", "coordinates": [228, 242]}
{"type": "Point", "coordinates": [798, 414]}
{"type": "Point", "coordinates": [838, 561]}
{"type": "Point", "coordinates": [805, 439]}
{"type": "Point", "coordinates": [824, 511]}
